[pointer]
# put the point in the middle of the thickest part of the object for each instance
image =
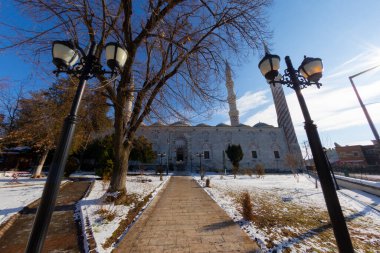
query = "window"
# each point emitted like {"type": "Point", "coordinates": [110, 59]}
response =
{"type": "Point", "coordinates": [254, 154]}
{"type": "Point", "coordinates": [356, 153]}
{"type": "Point", "coordinates": [206, 154]}
{"type": "Point", "coordinates": [276, 154]}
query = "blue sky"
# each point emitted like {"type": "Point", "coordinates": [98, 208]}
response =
{"type": "Point", "coordinates": [345, 34]}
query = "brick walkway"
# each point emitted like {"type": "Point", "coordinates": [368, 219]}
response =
{"type": "Point", "coordinates": [183, 218]}
{"type": "Point", "coordinates": [62, 233]}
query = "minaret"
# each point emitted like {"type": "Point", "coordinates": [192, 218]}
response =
{"type": "Point", "coordinates": [234, 113]}
{"type": "Point", "coordinates": [284, 120]}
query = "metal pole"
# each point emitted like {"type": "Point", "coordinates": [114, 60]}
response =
{"type": "Point", "coordinates": [331, 170]}
{"type": "Point", "coordinates": [53, 182]}
{"type": "Point", "coordinates": [331, 198]}
{"type": "Point", "coordinates": [169, 157]}
{"type": "Point", "coordinates": [371, 125]}
{"type": "Point", "coordinates": [191, 164]}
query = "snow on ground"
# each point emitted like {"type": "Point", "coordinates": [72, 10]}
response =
{"type": "Point", "coordinates": [290, 214]}
{"type": "Point", "coordinates": [94, 202]}
{"type": "Point", "coordinates": [14, 196]}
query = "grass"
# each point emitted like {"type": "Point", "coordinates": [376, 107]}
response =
{"type": "Point", "coordinates": [293, 223]}
{"type": "Point", "coordinates": [106, 213]}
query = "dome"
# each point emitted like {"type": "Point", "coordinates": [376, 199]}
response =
{"type": "Point", "coordinates": [180, 123]}
{"type": "Point", "coordinates": [261, 124]}
{"type": "Point", "coordinates": [202, 125]}
{"type": "Point", "coordinates": [222, 125]}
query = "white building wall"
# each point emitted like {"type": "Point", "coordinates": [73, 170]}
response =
{"type": "Point", "coordinates": [190, 140]}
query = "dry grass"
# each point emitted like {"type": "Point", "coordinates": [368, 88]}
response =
{"type": "Point", "coordinates": [246, 206]}
{"type": "Point", "coordinates": [292, 223]}
{"type": "Point", "coordinates": [106, 213]}
{"type": "Point", "coordinates": [208, 182]}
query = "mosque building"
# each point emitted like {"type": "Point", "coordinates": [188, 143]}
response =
{"type": "Point", "coordinates": [186, 147]}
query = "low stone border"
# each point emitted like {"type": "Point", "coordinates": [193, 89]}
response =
{"type": "Point", "coordinates": [89, 243]}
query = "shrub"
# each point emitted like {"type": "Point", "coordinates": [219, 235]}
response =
{"type": "Point", "coordinates": [207, 182]}
{"type": "Point", "coordinates": [246, 206]}
{"type": "Point", "coordinates": [106, 170]}
{"type": "Point", "coordinates": [71, 166]}
{"type": "Point", "coordinates": [260, 170]}
{"type": "Point", "coordinates": [248, 171]}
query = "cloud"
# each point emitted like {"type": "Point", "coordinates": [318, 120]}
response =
{"type": "Point", "coordinates": [268, 115]}
{"type": "Point", "coordinates": [330, 109]}
{"type": "Point", "coordinates": [368, 59]}
{"type": "Point", "coordinates": [252, 100]}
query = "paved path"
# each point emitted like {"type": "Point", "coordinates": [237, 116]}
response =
{"type": "Point", "coordinates": [62, 234]}
{"type": "Point", "coordinates": [183, 218]}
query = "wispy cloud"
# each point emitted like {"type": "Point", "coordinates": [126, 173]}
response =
{"type": "Point", "coordinates": [358, 63]}
{"type": "Point", "coordinates": [251, 101]}
{"type": "Point", "coordinates": [330, 109]}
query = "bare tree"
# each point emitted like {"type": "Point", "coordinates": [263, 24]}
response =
{"type": "Point", "coordinates": [294, 163]}
{"type": "Point", "coordinates": [10, 106]}
{"type": "Point", "coordinates": [176, 51]}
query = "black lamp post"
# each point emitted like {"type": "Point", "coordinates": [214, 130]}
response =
{"type": "Point", "coordinates": [65, 56]}
{"type": "Point", "coordinates": [308, 74]}
{"type": "Point", "coordinates": [191, 164]}
{"type": "Point", "coordinates": [161, 155]}
{"type": "Point", "coordinates": [200, 164]}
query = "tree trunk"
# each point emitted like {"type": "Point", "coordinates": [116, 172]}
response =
{"type": "Point", "coordinates": [41, 163]}
{"type": "Point", "coordinates": [122, 149]}
{"type": "Point", "coordinates": [119, 175]}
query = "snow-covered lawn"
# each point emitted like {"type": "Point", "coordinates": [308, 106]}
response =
{"type": "Point", "coordinates": [290, 215]}
{"type": "Point", "coordinates": [16, 195]}
{"type": "Point", "coordinates": [95, 209]}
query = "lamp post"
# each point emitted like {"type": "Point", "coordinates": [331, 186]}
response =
{"type": "Point", "coordinates": [65, 56]}
{"type": "Point", "coordinates": [309, 73]}
{"type": "Point", "coordinates": [161, 155]}
{"type": "Point", "coordinates": [191, 164]}
{"type": "Point", "coordinates": [371, 125]}
{"type": "Point", "coordinates": [200, 164]}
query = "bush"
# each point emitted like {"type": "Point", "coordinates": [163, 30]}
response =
{"type": "Point", "coordinates": [260, 170]}
{"type": "Point", "coordinates": [248, 172]}
{"type": "Point", "coordinates": [207, 182]}
{"type": "Point", "coordinates": [71, 166]}
{"type": "Point", "coordinates": [246, 206]}
{"type": "Point", "coordinates": [106, 171]}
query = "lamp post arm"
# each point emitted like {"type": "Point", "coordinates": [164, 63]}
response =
{"type": "Point", "coordinates": [53, 182]}
{"type": "Point", "coordinates": [365, 71]}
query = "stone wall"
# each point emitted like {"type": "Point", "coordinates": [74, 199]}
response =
{"type": "Point", "coordinates": [182, 143]}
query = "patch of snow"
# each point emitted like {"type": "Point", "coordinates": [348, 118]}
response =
{"type": "Point", "coordinates": [15, 195]}
{"type": "Point", "coordinates": [299, 191]}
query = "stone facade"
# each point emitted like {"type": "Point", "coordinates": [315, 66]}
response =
{"type": "Point", "coordinates": [261, 144]}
